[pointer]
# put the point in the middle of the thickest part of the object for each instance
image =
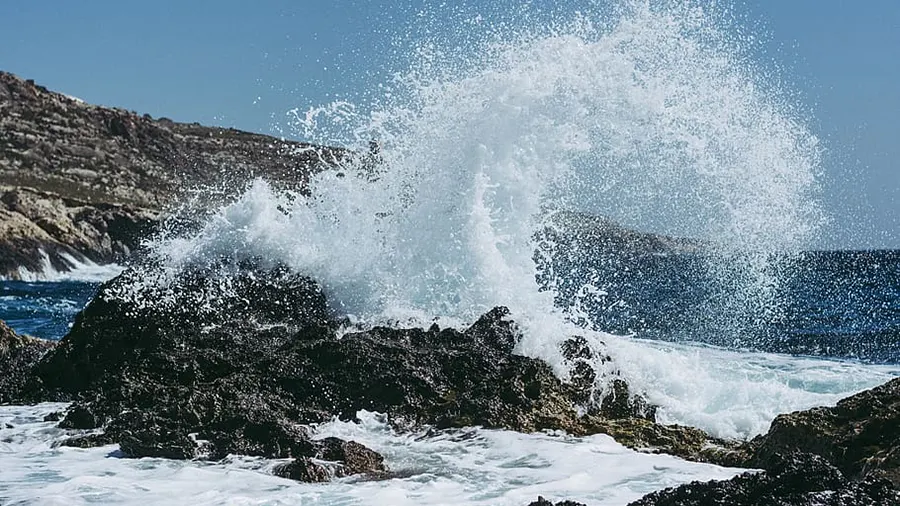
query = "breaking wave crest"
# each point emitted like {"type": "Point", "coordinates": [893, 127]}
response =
{"type": "Point", "coordinates": [652, 116]}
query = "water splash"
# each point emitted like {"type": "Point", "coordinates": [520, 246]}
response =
{"type": "Point", "coordinates": [654, 120]}
{"type": "Point", "coordinates": [650, 115]}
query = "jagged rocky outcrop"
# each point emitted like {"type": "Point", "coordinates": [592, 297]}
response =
{"type": "Point", "coordinates": [860, 435]}
{"type": "Point", "coordinates": [18, 354]}
{"type": "Point", "coordinates": [75, 176]}
{"type": "Point", "coordinates": [226, 358]}
{"type": "Point", "coordinates": [795, 479]}
{"type": "Point", "coordinates": [844, 455]}
{"type": "Point", "coordinates": [236, 359]}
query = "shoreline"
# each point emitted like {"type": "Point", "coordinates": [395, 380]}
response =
{"type": "Point", "coordinates": [74, 368]}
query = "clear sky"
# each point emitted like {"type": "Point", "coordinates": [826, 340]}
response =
{"type": "Point", "coordinates": [244, 64]}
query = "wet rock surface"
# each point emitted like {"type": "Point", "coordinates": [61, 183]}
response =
{"type": "Point", "coordinates": [18, 355]}
{"type": "Point", "coordinates": [239, 358]}
{"type": "Point", "coordinates": [845, 455]}
{"type": "Point", "coordinates": [800, 479]}
{"type": "Point", "coordinates": [265, 338]}
{"type": "Point", "coordinates": [647, 436]}
{"type": "Point", "coordinates": [860, 435]}
{"type": "Point", "coordinates": [544, 502]}
{"type": "Point", "coordinates": [234, 359]}
{"type": "Point", "coordinates": [78, 180]}
{"type": "Point", "coordinates": [334, 458]}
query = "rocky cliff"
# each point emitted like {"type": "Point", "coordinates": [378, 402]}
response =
{"type": "Point", "coordinates": [79, 181]}
{"type": "Point", "coordinates": [18, 354]}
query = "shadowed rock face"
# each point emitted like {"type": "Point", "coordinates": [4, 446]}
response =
{"type": "Point", "coordinates": [78, 179]}
{"type": "Point", "coordinates": [18, 354]}
{"type": "Point", "coordinates": [860, 435]}
{"type": "Point", "coordinates": [846, 455]}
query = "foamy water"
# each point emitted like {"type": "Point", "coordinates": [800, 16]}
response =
{"type": "Point", "coordinates": [78, 270]}
{"type": "Point", "coordinates": [470, 467]}
{"type": "Point", "coordinates": [736, 394]}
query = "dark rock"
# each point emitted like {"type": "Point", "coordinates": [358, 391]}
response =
{"type": "Point", "coordinates": [256, 435]}
{"type": "Point", "coordinates": [544, 502]}
{"type": "Point", "coordinates": [582, 377]}
{"type": "Point", "coordinates": [54, 416]}
{"type": "Point", "coordinates": [181, 369]}
{"type": "Point", "coordinates": [686, 442]}
{"type": "Point", "coordinates": [355, 457]}
{"type": "Point", "coordinates": [18, 355]}
{"type": "Point", "coordinates": [577, 348]}
{"type": "Point", "coordinates": [494, 330]}
{"type": "Point", "coordinates": [117, 340]}
{"type": "Point", "coordinates": [341, 459]}
{"type": "Point", "coordinates": [799, 479]}
{"type": "Point", "coordinates": [119, 126]}
{"type": "Point", "coordinates": [618, 403]}
{"type": "Point", "coordinates": [860, 435]}
{"type": "Point", "coordinates": [261, 342]}
{"type": "Point", "coordinates": [88, 440]}
{"type": "Point", "coordinates": [82, 417]}
{"type": "Point", "coordinates": [303, 469]}
{"type": "Point", "coordinates": [157, 442]}
{"type": "Point", "coordinates": [621, 403]}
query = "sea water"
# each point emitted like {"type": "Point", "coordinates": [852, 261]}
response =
{"type": "Point", "coordinates": [651, 114]}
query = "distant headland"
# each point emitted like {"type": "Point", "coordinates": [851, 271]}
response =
{"type": "Point", "coordinates": [81, 183]}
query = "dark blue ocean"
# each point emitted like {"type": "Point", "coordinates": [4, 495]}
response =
{"type": "Point", "coordinates": [838, 304]}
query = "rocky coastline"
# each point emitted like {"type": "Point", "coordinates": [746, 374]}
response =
{"type": "Point", "coordinates": [80, 182]}
{"type": "Point", "coordinates": [242, 359]}
{"type": "Point", "coordinates": [264, 359]}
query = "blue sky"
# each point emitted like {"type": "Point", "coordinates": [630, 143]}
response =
{"type": "Point", "coordinates": [244, 64]}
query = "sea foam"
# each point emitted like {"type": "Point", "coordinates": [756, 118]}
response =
{"type": "Point", "coordinates": [474, 466]}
